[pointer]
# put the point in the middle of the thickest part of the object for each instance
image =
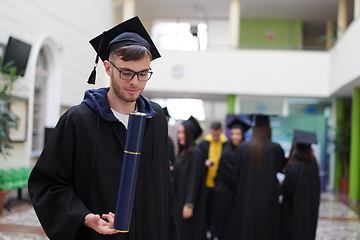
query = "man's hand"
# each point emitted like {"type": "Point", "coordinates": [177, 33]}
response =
{"type": "Point", "coordinates": [99, 224]}
{"type": "Point", "coordinates": [187, 212]}
{"type": "Point", "coordinates": [209, 163]}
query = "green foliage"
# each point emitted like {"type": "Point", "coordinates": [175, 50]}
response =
{"type": "Point", "coordinates": [8, 120]}
{"type": "Point", "coordinates": [342, 146]}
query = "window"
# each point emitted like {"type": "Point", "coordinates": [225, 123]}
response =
{"type": "Point", "coordinates": [180, 36]}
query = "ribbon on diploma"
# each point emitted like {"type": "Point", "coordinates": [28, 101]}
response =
{"type": "Point", "coordinates": [129, 171]}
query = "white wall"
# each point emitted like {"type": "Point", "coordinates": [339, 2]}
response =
{"type": "Point", "coordinates": [345, 58]}
{"type": "Point", "coordinates": [244, 72]}
{"type": "Point", "coordinates": [65, 28]}
{"type": "Point", "coordinates": [70, 24]}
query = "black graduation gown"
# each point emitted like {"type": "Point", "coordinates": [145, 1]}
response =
{"type": "Point", "coordinates": [300, 204]}
{"type": "Point", "coordinates": [79, 170]}
{"type": "Point", "coordinates": [189, 187]}
{"type": "Point", "coordinates": [224, 192]}
{"type": "Point", "coordinates": [255, 212]}
{"type": "Point", "coordinates": [171, 150]}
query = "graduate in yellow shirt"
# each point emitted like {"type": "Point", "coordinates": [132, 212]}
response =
{"type": "Point", "coordinates": [211, 148]}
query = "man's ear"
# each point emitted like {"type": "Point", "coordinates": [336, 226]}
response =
{"type": "Point", "coordinates": [107, 66]}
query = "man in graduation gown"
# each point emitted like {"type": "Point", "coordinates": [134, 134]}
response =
{"type": "Point", "coordinates": [212, 147]}
{"type": "Point", "coordinates": [74, 185]}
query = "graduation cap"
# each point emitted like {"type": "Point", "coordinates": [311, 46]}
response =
{"type": "Point", "coordinates": [166, 112]}
{"type": "Point", "coordinates": [260, 120]}
{"type": "Point", "coordinates": [194, 126]}
{"type": "Point", "coordinates": [304, 137]}
{"type": "Point", "coordinates": [237, 123]}
{"type": "Point", "coordinates": [130, 32]}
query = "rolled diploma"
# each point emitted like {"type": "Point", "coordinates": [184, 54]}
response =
{"type": "Point", "coordinates": [129, 171]}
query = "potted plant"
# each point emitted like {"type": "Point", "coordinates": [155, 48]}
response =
{"type": "Point", "coordinates": [342, 149]}
{"type": "Point", "coordinates": [8, 120]}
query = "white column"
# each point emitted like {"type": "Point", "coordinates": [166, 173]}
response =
{"type": "Point", "coordinates": [356, 9]}
{"type": "Point", "coordinates": [128, 10]}
{"type": "Point", "coordinates": [237, 105]}
{"type": "Point", "coordinates": [342, 18]}
{"type": "Point", "coordinates": [234, 23]}
{"type": "Point", "coordinates": [285, 107]}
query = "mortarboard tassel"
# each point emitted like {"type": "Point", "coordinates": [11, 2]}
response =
{"type": "Point", "coordinates": [92, 76]}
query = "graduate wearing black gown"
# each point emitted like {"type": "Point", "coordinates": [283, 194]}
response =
{"type": "Point", "coordinates": [224, 190]}
{"type": "Point", "coordinates": [75, 182]}
{"type": "Point", "coordinates": [301, 191]}
{"type": "Point", "coordinates": [255, 211]}
{"type": "Point", "coordinates": [189, 183]}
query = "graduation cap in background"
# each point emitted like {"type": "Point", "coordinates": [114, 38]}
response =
{"type": "Point", "coordinates": [166, 112]}
{"type": "Point", "coordinates": [237, 123]}
{"type": "Point", "coordinates": [194, 126]}
{"type": "Point", "coordinates": [305, 137]}
{"type": "Point", "coordinates": [130, 32]}
{"type": "Point", "coordinates": [260, 120]}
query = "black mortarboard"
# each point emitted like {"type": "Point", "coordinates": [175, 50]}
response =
{"type": "Point", "coordinates": [237, 123]}
{"type": "Point", "coordinates": [260, 120]}
{"type": "Point", "coordinates": [130, 32]}
{"type": "Point", "coordinates": [194, 126]}
{"type": "Point", "coordinates": [166, 112]}
{"type": "Point", "coordinates": [304, 137]}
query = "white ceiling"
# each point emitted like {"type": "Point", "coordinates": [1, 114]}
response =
{"type": "Point", "coordinates": [306, 10]}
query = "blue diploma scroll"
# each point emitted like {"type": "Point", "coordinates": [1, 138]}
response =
{"type": "Point", "coordinates": [129, 171]}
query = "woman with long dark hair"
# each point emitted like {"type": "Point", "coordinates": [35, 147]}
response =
{"type": "Point", "coordinates": [255, 211]}
{"type": "Point", "coordinates": [224, 190]}
{"type": "Point", "coordinates": [189, 183]}
{"type": "Point", "coordinates": [301, 191]}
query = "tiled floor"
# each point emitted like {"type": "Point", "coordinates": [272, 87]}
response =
{"type": "Point", "coordinates": [338, 220]}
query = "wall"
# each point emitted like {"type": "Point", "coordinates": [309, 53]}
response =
{"type": "Point", "coordinates": [271, 34]}
{"type": "Point", "coordinates": [345, 58]}
{"type": "Point", "coordinates": [65, 28]}
{"type": "Point", "coordinates": [243, 72]}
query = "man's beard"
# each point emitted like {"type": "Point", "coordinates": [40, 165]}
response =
{"type": "Point", "coordinates": [118, 91]}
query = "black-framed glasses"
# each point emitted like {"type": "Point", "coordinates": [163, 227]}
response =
{"type": "Point", "coordinates": [127, 74]}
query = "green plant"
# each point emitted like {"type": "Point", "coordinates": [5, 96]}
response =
{"type": "Point", "coordinates": [342, 146]}
{"type": "Point", "coordinates": [8, 120]}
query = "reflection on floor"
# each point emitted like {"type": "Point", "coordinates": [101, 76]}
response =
{"type": "Point", "coordinates": [338, 219]}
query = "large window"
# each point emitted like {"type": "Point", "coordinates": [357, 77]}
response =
{"type": "Point", "coordinates": [182, 108]}
{"type": "Point", "coordinates": [180, 36]}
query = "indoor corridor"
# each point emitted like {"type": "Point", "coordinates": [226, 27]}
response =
{"type": "Point", "coordinates": [338, 220]}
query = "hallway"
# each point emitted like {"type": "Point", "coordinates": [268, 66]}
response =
{"type": "Point", "coordinates": [338, 220]}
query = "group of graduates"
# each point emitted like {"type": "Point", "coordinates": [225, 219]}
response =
{"type": "Point", "coordinates": [240, 199]}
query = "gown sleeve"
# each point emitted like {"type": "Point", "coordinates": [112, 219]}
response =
{"type": "Point", "coordinates": [194, 177]}
{"type": "Point", "coordinates": [226, 168]}
{"type": "Point", "coordinates": [51, 189]}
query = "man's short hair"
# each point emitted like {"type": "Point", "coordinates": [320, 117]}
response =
{"type": "Point", "coordinates": [216, 126]}
{"type": "Point", "coordinates": [131, 53]}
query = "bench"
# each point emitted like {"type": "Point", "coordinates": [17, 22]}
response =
{"type": "Point", "coordinates": [14, 178]}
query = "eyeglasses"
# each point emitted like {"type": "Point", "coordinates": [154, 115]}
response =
{"type": "Point", "coordinates": [128, 74]}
